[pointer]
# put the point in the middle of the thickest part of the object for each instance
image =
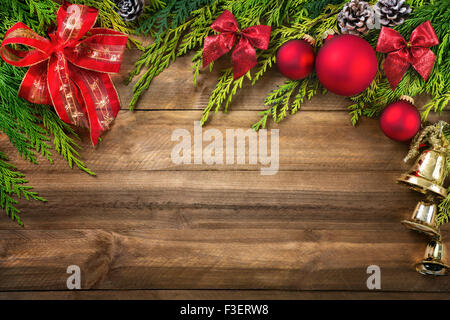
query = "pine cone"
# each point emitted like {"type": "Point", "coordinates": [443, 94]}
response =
{"type": "Point", "coordinates": [129, 9]}
{"type": "Point", "coordinates": [357, 17]}
{"type": "Point", "coordinates": [392, 12]}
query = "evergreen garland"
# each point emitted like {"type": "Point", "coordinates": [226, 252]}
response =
{"type": "Point", "coordinates": [371, 102]}
{"type": "Point", "coordinates": [289, 97]}
{"type": "Point", "coordinates": [18, 120]}
{"type": "Point", "coordinates": [291, 19]}
{"type": "Point", "coordinates": [179, 27]}
{"type": "Point", "coordinates": [172, 43]}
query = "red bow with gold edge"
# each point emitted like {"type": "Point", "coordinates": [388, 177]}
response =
{"type": "Point", "coordinates": [69, 70]}
{"type": "Point", "coordinates": [402, 53]}
{"type": "Point", "coordinates": [244, 55]}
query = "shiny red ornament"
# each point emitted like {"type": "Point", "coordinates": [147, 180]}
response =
{"type": "Point", "coordinates": [295, 59]}
{"type": "Point", "coordinates": [346, 64]}
{"type": "Point", "coordinates": [400, 121]}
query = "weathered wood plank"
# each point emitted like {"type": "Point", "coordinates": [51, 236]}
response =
{"type": "Point", "coordinates": [320, 141]}
{"type": "Point", "coordinates": [217, 200]}
{"type": "Point", "coordinates": [146, 223]}
{"type": "Point", "coordinates": [218, 295]}
{"type": "Point", "coordinates": [213, 259]}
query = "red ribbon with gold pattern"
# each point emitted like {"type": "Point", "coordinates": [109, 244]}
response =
{"type": "Point", "coordinates": [401, 54]}
{"type": "Point", "coordinates": [70, 70]}
{"type": "Point", "coordinates": [244, 55]}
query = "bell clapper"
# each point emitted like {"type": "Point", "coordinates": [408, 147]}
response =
{"type": "Point", "coordinates": [433, 262]}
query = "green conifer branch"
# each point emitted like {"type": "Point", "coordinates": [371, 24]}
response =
{"type": "Point", "coordinates": [18, 119]}
{"type": "Point", "coordinates": [443, 216]}
{"type": "Point", "coordinates": [444, 206]}
{"type": "Point", "coordinates": [287, 99]}
{"type": "Point", "coordinates": [12, 187]}
{"type": "Point", "coordinates": [170, 15]}
{"type": "Point", "coordinates": [172, 43]}
{"type": "Point", "coordinates": [64, 144]}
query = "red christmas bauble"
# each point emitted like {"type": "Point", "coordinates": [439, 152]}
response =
{"type": "Point", "coordinates": [400, 121]}
{"type": "Point", "coordinates": [346, 64]}
{"type": "Point", "coordinates": [295, 59]}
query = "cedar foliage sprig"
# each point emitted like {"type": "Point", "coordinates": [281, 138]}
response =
{"type": "Point", "coordinates": [171, 15]}
{"type": "Point", "coordinates": [37, 14]}
{"type": "Point", "coordinates": [291, 19]}
{"type": "Point", "coordinates": [12, 187]}
{"type": "Point", "coordinates": [174, 42]}
{"type": "Point", "coordinates": [63, 138]}
{"type": "Point", "coordinates": [443, 216]}
{"type": "Point", "coordinates": [18, 120]}
{"type": "Point", "coordinates": [444, 206]}
{"type": "Point", "coordinates": [270, 14]}
{"type": "Point", "coordinates": [289, 97]}
{"type": "Point", "coordinates": [315, 7]}
{"type": "Point", "coordinates": [177, 41]}
{"type": "Point", "coordinates": [21, 122]}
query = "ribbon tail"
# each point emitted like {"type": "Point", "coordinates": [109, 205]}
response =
{"type": "Point", "coordinates": [244, 58]}
{"type": "Point", "coordinates": [100, 98]}
{"type": "Point", "coordinates": [64, 93]}
{"type": "Point", "coordinates": [424, 65]}
{"type": "Point", "coordinates": [34, 85]}
{"type": "Point", "coordinates": [394, 68]}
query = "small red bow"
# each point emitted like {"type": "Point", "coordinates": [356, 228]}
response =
{"type": "Point", "coordinates": [244, 55]}
{"type": "Point", "coordinates": [69, 71]}
{"type": "Point", "coordinates": [402, 53]}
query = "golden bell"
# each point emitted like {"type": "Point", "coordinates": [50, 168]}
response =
{"type": "Point", "coordinates": [433, 264]}
{"type": "Point", "coordinates": [427, 174]}
{"type": "Point", "coordinates": [423, 219]}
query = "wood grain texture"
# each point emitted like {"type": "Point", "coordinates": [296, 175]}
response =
{"type": "Point", "coordinates": [216, 295]}
{"type": "Point", "coordinates": [212, 259]}
{"type": "Point", "coordinates": [311, 140]}
{"type": "Point", "coordinates": [146, 228]}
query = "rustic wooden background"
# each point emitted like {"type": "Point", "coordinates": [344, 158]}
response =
{"type": "Point", "coordinates": [146, 228]}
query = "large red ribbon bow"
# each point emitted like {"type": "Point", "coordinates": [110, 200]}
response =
{"type": "Point", "coordinates": [244, 54]}
{"type": "Point", "coordinates": [70, 71]}
{"type": "Point", "coordinates": [401, 53]}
